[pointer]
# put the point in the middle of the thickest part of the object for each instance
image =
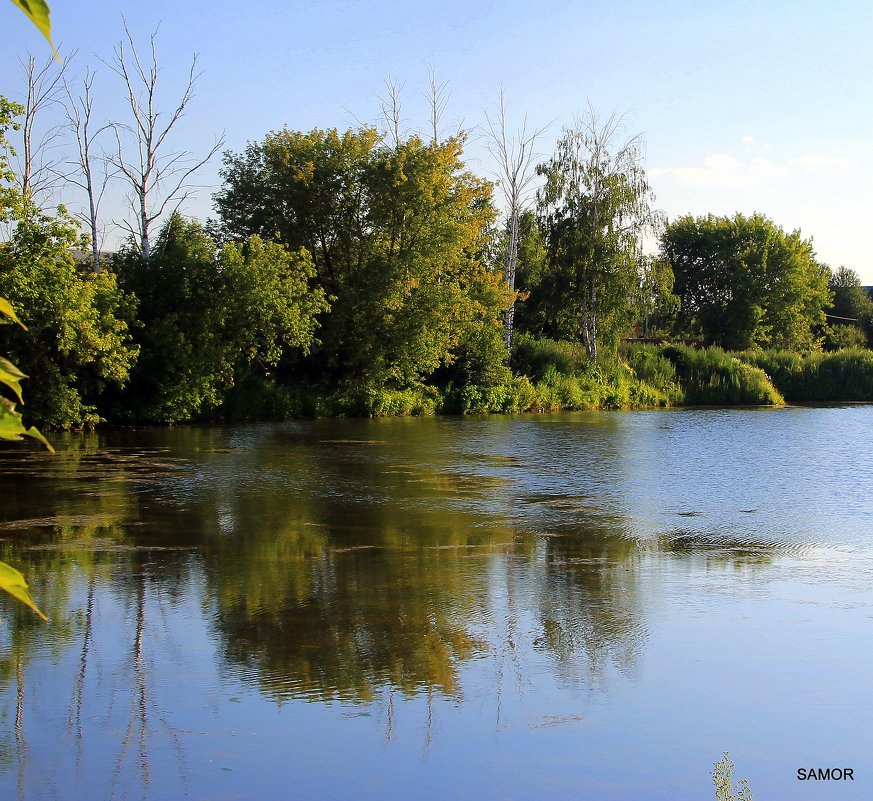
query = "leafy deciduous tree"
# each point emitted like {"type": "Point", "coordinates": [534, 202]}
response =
{"type": "Point", "coordinates": [742, 282]}
{"type": "Point", "coordinates": [594, 209]}
{"type": "Point", "coordinates": [77, 340]}
{"type": "Point", "coordinates": [850, 317]}
{"type": "Point", "coordinates": [208, 312]}
{"type": "Point", "coordinates": [397, 233]}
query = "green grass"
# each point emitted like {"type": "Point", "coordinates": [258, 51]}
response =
{"type": "Point", "coordinates": [712, 377]}
{"type": "Point", "coordinates": [550, 375]}
{"type": "Point", "coordinates": [844, 375]}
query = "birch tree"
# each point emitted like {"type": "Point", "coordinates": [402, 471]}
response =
{"type": "Point", "coordinates": [437, 100]}
{"type": "Point", "coordinates": [158, 177]}
{"type": "Point", "coordinates": [37, 169]}
{"type": "Point", "coordinates": [391, 109]}
{"type": "Point", "coordinates": [595, 207]}
{"type": "Point", "coordinates": [514, 155]}
{"type": "Point", "coordinates": [82, 173]}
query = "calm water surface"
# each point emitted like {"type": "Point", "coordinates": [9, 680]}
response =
{"type": "Point", "coordinates": [585, 606]}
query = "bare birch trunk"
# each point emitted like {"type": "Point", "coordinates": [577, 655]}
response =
{"type": "Point", "coordinates": [511, 266]}
{"type": "Point", "coordinates": [514, 158]}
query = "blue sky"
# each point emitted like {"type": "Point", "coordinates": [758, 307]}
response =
{"type": "Point", "coordinates": [745, 106]}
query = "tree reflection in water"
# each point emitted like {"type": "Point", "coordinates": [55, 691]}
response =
{"type": "Point", "coordinates": [334, 570]}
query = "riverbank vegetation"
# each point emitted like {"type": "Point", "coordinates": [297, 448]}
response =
{"type": "Point", "coordinates": [372, 272]}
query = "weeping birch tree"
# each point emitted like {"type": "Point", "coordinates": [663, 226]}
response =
{"type": "Point", "coordinates": [514, 156]}
{"type": "Point", "coordinates": [595, 208]}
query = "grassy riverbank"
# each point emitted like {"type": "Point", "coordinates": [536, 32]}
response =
{"type": "Point", "coordinates": [844, 375]}
{"type": "Point", "coordinates": [552, 376]}
{"type": "Point", "coordinates": [545, 375]}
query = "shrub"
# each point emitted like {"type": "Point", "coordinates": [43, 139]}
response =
{"type": "Point", "coordinates": [844, 375]}
{"type": "Point", "coordinates": [839, 337]}
{"type": "Point", "coordinates": [536, 358]}
{"type": "Point", "coordinates": [712, 377]}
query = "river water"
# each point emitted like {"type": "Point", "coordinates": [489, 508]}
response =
{"type": "Point", "coordinates": [592, 605]}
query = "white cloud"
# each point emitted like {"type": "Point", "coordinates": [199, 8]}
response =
{"type": "Point", "coordinates": [748, 140]}
{"type": "Point", "coordinates": [822, 160]}
{"type": "Point", "coordinates": [723, 170]}
{"type": "Point", "coordinates": [822, 191]}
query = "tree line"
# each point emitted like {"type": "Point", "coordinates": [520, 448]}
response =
{"type": "Point", "coordinates": [365, 271]}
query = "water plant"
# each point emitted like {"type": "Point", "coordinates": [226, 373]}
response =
{"type": "Point", "coordinates": [722, 772]}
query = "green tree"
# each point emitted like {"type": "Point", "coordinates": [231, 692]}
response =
{"type": "Point", "coordinates": [304, 189]}
{"type": "Point", "coordinates": [77, 341]}
{"type": "Point", "coordinates": [398, 234]}
{"type": "Point", "coordinates": [742, 282]}
{"type": "Point", "coordinates": [850, 316]}
{"type": "Point", "coordinates": [426, 285]}
{"type": "Point", "coordinates": [207, 312]}
{"type": "Point", "coordinates": [594, 209]}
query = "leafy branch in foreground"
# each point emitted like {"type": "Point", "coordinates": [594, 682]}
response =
{"type": "Point", "coordinates": [13, 582]}
{"type": "Point", "coordinates": [11, 427]}
{"type": "Point", "coordinates": [39, 13]}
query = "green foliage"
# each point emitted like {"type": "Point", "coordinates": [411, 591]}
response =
{"type": "Point", "coordinates": [839, 337]}
{"type": "Point", "coordinates": [512, 394]}
{"type": "Point", "coordinates": [9, 193]}
{"type": "Point", "coordinates": [655, 372]}
{"type": "Point", "coordinates": [207, 314]}
{"type": "Point", "coordinates": [722, 774]}
{"type": "Point", "coordinates": [851, 314]}
{"type": "Point", "coordinates": [379, 401]}
{"type": "Point", "coordinates": [594, 209]}
{"type": "Point", "coordinates": [846, 375]}
{"type": "Point", "coordinates": [712, 377]}
{"type": "Point", "coordinates": [397, 235]}
{"type": "Point", "coordinates": [275, 309]}
{"type": "Point", "coordinates": [13, 582]}
{"type": "Point", "coordinates": [536, 358]}
{"type": "Point", "coordinates": [11, 425]}
{"type": "Point", "coordinates": [565, 377]}
{"type": "Point", "coordinates": [533, 312]}
{"type": "Point", "coordinates": [742, 282]}
{"type": "Point", "coordinates": [77, 339]}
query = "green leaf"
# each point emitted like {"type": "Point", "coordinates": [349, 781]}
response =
{"type": "Point", "coordinates": [13, 582]}
{"type": "Point", "coordinates": [39, 12]}
{"type": "Point", "coordinates": [10, 421]}
{"type": "Point", "coordinates": [11, 426]}
{"type": "Point", "coordinates": [34, 432]}
{"type": "Point", "coordinates": [6, 308]}
{"type": "Point", "coordinates": [11, 376]}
